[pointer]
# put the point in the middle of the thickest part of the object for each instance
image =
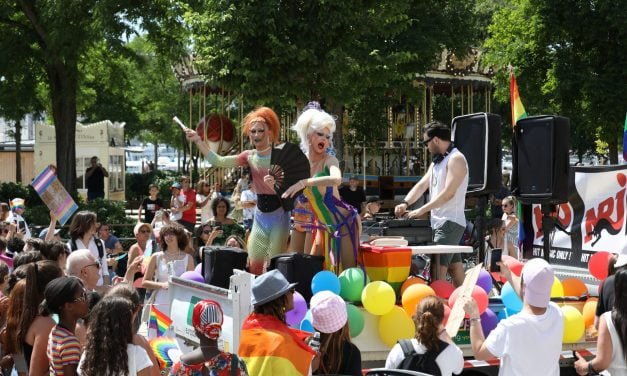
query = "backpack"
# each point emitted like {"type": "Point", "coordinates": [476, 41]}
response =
{"type": "Point", "coordinates": [420, 362]}
{"type": "Point", "coordinates": [98, 245]}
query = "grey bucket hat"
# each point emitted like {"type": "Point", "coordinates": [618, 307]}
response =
{"type": "Point", "coordinates": [270, 286]}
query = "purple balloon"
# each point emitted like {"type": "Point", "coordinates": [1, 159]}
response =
{"type": "Point", "coordinates": [193, 276]}
{"type": "Point", "coordinates": [485, 281]}
{"type": "Point", "coordinates": [488, 321]}
{"type": "Point", "coordinates": [296, 314]}
{"type": "Point", "coordinates": [198, 269]}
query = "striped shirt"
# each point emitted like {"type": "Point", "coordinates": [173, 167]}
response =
{"type": "Point", "coordinates": [63, 349]}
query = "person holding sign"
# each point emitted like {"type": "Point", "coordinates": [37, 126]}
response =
{"type": "Point", "coordinates": [271, 221]}
{"type": "Point", "coordinates": [530, 342]}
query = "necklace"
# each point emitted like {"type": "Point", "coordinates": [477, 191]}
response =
{"type": "Point", "coordinates": [172, 255]}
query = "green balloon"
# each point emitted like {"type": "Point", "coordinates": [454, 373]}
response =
{"type": "Point", "coordinates": [355, 320]}
{"type": "Point", "coordinates": [352, 282]}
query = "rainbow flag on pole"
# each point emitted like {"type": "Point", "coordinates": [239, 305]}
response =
{"type": "Point", "coordinates": [159, 321]}
{"type": "Point", "coordinates": [518, 112]}
{"type": "Point", "coordinates": [625, 141]}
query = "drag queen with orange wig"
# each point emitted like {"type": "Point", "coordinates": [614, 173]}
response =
{"type": "Point", "coordinates": [271, 222]}
{"type": "Point", "coordinates": [335, 231]}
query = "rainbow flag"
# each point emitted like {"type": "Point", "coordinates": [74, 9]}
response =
{"type": "Point", "coordinates": [166, 351]}
{"type": "Point", "coordinates": [625, 141]}
{"type": "Point", "coordinates": [159, 321]}
{"type": "Point", "coordinates": [518, 110]}
{"type": "Point", "coordinates": [270, 347]}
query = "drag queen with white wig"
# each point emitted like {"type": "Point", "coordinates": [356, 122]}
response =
{"type": "Point", "coordinates": [334, 231]}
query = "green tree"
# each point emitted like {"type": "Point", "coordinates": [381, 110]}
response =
{"type": "Point", "coordinates": [569, 58]}
{"type": "Point", "coordinates": [60, 33]}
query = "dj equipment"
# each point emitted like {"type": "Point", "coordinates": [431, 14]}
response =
{"type": "Point", "coordinates": [218, 263]}
{"type": "Point", "coordinates": [478, 137]}
{"type": "Point", "coordinates": [416, 231]}
{"type": "Point", "coordinates": [540, 159]}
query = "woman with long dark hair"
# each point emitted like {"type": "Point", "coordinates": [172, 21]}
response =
{"type": "Point", "coordinates": [83, 236]}
{"type": "Point", "coordinates": [110, 349]}
{"type": "Point", "coordinates": [27, 333]}
{"type": "Point", "coordinates": [611, 349]}
{"type": "Point", "coordinates": [430, 337]}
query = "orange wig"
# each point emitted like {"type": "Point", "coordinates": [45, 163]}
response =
{"type": "Point", "coordinates": [269, 116]}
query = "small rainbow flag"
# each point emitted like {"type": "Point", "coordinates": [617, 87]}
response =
{"type": "Point", "coordinates": [159, 321]}
{"type": "Point", "coordinates": [166, 351]}
{"type": "Point", "coordinates": [518, 110]}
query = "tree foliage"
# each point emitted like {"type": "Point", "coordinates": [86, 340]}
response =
{"type": "Point", "coordinates": [569, 59]}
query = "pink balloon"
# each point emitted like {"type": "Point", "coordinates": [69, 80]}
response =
{"type": "Point", "coordinates": [514, 265]}
{"type": "Point", "coordinates": [598, 264]}
{"type": "Point", "coordinates": [294, 316]}
{"type": "Point", "coordinates": [478, 294]}
{"type": "Point", "coordinates": [443, 289]}
{"type": "Point", "coordinates": [447, 313]}
{"type": "Point", "coordinates": [198, 269]}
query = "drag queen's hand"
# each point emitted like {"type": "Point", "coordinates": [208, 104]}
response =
{"type": "Point", "coordinates": [269, 180]}
{"type": "Point", "coordinates": [192, 135]}
{"type": "Point", "coordinates": [291, 191]}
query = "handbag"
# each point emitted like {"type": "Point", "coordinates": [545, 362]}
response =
{"type": "Point", "coordinates": [151, 294]}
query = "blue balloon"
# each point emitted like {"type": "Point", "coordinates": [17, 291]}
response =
{"type": "Point", "coordinates": [511, 301]}
{"type": "Point", "coordinates": [325, 280]}
{"type": "Point", "coordinates": [505, 313]}
{"type": "Point", "coordinates": [306, 324]}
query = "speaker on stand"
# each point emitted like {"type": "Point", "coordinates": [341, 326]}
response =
{"type": "Point", "coordinates": [540, 166]}
{"type": "Point", "coordinates": [478, 137]}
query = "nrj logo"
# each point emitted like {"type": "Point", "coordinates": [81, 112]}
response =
{"type": "Point", "coordinates": [609, 214]}
{"type": "Point", "coordinates": [190, 309]}
{"type": "Point", "coordinates": [563, 212]}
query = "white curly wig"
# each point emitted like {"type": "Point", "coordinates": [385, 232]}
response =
{"type": "Point", "coordinates": [310, 121]}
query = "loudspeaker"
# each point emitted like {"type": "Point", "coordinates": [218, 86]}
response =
{"type": "Point", "coordinates": [386, 187]}
{"type": "Point", "coordinates": [478, 137]}
{"type": "Point", "coordinates": [218, 263]}
{"type": "Point", "coordinates": [298, 268]}
{"type": "Point", "coordinates": [540, 164]}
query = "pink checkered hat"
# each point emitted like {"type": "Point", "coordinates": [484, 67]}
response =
{"type": "Point", "coordinates": [328, 312]}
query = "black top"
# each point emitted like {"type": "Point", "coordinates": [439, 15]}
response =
{"type": "Point", "coordinates": [351, 362]}
{"type": "Point", "coordinates": [606, 298]}
{"type": "Point", "coordinates": [150, 207]}
{"type": "Point", "coordinates": [95, 183]}
{"type": "Point", "coordinates": [353, 198]}
{"type": "Point", "coordinates": [28, 353]}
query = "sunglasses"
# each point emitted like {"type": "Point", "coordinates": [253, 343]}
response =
{"type": "Point", "coordinates": [293, 290]}
{"type": "Point", "coordinates": [426, 142]}
{"type": "Point", "coordinates": [96, 264]}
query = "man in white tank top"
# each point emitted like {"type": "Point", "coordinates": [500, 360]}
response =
{"type": "Point", "coordinates": [447, 180]}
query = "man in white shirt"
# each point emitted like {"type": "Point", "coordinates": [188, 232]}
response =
{"type": "Point", "coordinates": [529, 342]}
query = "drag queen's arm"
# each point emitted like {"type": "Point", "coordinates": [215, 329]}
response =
{"type": "Point", "coordinates": [228, 161]}
{"type": "Point", "coordinates": [333, 179]}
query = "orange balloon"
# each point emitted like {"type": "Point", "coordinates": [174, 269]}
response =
{"type": "Point", "coordinates": [574, 287]}
{"type": "Point", "coordinates": [589, 311]}
{"type": "Point", "coordinates": [412, 281]}
{"type": "Point", "coordinates": [413, 295]}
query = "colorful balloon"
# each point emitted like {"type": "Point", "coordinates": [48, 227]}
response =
{"type": "Point", "coordinates": [442, 288]}
{"type": "Point", "coordinates": [485, 281]}
{"type": "Point", "coordinates": [505, 313]}
{"type": "Point", "coordinates": [510, 299]}
{"type": "Point", "coordinates": [325, 280]}
{"type": "Point", "coordinates": [412, 281]}
{"type": "Point", "coordinates": [395, 325]}
{"type": "Point", "coordinates": [413, 295]}
{"type": "Point", "coordinates": [294, 316]}
{"type": "Point", "coordinates": [306, 325]}
{"type": "Point", "coordinates": [356, 321]}
{"type": "Point", "coordinates": [193, 276]}
{"type": "Point", "coordinates": [489, 320]}
{"type": "Point", "coordinates": [589, 311]}
{"type": "Point", "coordinates": [478, 294]}
{"type": "Point", "coordinates": [198, 268]}
{"type": "Point", "coordinates": [557, 290]}
{"type": "Point", "coordinates": [447, 313]}
{"type": "Point", "coordinates": [597, 265]}
{"type": "Point", "coordinates": [574, 325]}
{"type": "Point", "coordinates": [378, 298]}
{"type": "Point", "coordinates": [352, 282]}
{"type": "Point", "coordinates": [574, 287]}
{"type": "Point", "coordinates": [514, 265]}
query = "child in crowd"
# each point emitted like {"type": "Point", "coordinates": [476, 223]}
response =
{"type": "Point", "coordinates": [150, 205]}
{"type": "Point", "coordinates": [66, 297]}
{"type": "Point", "coordinates": [338, 355]}
{"type": "Point", "coordinates": [207, 319]}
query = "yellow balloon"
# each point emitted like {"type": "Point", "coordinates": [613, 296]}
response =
{"type": "Point", "coordinates": [395, 325]}
{"type": "Point", "coordinates": [589, 311]}
{"type": "Point", "coordinates": [574, 327]}
{"type": "Point", "coordinates": [557, 290]}
{"type": "Point", "coordinates": [378, 298]}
